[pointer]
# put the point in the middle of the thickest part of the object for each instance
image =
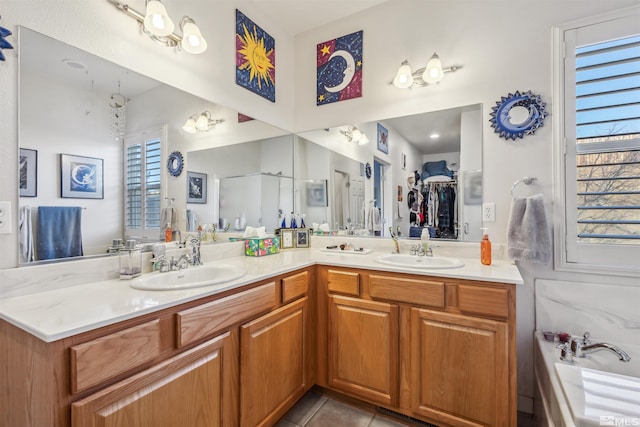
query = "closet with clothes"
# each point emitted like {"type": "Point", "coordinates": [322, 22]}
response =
{"type": "Point", "coordinates": [432, 201]}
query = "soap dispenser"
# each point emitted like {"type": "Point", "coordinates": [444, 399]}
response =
{"type": "Point", "coordinates": [485, 248]}
{"type": "Point", "coordinates": [130, 260]}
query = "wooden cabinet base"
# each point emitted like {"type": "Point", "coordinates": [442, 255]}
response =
{"type": "Point", "coordinates": [185, 390]}
{"type": "Point", "coordinates": [273, 364]}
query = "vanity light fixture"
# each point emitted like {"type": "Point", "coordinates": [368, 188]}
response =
{"type": "Point", "coordinates": [157, 24]}
{"type": "Point", "coordinates": [353, 134]}
{"type": "Point", "coordinates": [431, 73]}
{"type": "Point", "coordinates": [200, 123]}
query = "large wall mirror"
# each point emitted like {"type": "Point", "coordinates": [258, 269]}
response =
{"type": "Point", "coordinates": [78, 112]}
{"type": "Point", "coordinates": [78, 105]}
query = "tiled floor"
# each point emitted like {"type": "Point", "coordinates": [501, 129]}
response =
{"type": "Point", "coordinates": [317, 410]}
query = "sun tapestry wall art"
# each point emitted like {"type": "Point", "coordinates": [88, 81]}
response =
{"type": "Point", "coordinates": [339, 63]}
{"type": "Point", "coordinates": [255, 58]}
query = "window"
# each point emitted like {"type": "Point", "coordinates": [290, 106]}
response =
{"type": "Point", "coordinates": [143, 160]}
{"type": "Point", "coordinates": [600, 146]}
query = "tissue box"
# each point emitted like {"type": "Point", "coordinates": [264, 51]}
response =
{"type": "Point", "coordinates": [255, 246]}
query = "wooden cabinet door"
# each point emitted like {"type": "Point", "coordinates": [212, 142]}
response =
{"type": "Point", "coordinates": [363, 348]}
{"type": "Point", "coordinates": [182, 391]}
{"type": "Point", "coordinates": [273, 359]}
{"type": "Point", "coordinates": [459, 365]}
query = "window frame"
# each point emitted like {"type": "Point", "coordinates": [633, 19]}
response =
{"type": "Point", "coordinates": [568, 254]}
{"type": "Point", "coordinates": [145, 234]}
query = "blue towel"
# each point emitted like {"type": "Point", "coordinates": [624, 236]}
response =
{"type": "Point", "coordinates": [59, 232]}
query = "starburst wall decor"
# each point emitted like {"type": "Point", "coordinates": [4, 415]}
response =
{"type": "Point", "coordinates": [501, 120]}
{"type": "Point", "coordinates": [4, 44]}
{"type": "Point", "coordinates": [255, 58]}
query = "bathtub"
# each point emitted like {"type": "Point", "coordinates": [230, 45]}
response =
{"type": "Point", "coordinates": [598, 390]}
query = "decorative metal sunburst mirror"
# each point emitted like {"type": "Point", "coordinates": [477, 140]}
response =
{"type": "Point", "coordinates": [517, 115]}
{"type": "Point", "coordinates": [4, 44]}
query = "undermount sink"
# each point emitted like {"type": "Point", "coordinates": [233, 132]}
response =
{"type": "Point", "coordinates": [413, 261]}
{"type": "Point", "coordinates": [192, 277]}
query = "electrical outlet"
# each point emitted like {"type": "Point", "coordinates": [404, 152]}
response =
{"type": "Point", "coordinates": [5, 217]}
{"type": "Point", "coordinates": [489, 212]}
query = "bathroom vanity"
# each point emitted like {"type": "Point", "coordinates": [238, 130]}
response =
{"type": "Point", "coordinates": [437, 347]}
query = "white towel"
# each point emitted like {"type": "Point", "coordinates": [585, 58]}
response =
{"type": "Point", "coordinates": [373, 220]}
{"type": "Point", "coordinates": [168, 216]}
{"type": "Point", "coordinates": [26, 234]}
{"type": "Point", "coordinates": [528, 235]}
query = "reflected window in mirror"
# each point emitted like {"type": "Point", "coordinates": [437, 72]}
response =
{"type": "Point", "coordinates": [143, 169]}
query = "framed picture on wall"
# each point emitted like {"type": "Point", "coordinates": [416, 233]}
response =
{"type": "Point", "coordinates": [196, 187]}
{"type": "Point", "coordinates": [28, 181]}
{"type": "Point", "coordinates": [317, 193]}
{"type": "Point", "coordinates": [81, 177]}
{"type": "Point", "coordinates": [383, 139]}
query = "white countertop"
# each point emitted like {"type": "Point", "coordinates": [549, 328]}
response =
{"type": "Point", "coordinates": [62, 312]}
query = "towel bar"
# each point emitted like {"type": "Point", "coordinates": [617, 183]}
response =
{"type": "Point", "coordinates": [527, 180]}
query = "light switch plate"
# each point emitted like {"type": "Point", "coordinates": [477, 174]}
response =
{"type": "Point", "coordinates": [5, 217]}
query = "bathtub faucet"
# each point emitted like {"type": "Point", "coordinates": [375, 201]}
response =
{"type": "Point", "coordinates": [579, 348]}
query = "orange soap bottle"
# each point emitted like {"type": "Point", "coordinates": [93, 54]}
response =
{"type": "Point", "coordinates": [485, 248]}
{"type": "Point", "coordinates": [168, 233]}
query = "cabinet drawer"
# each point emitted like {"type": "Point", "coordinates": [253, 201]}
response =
{"type": "Point", "coordinates": [412, 291]}
{"type": "Point", "coordinates": [483, 300]}
{"type": "Point", "coordinates": [199, 322]}
{"type": "Point", "coordinates": [293, 287]}
{"type": "Point", "coordinates": [96, 361]}
{"type": "Point", "coordinates": [343, 282]}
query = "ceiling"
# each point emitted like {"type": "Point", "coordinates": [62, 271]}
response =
{"type": "Point", "coordinates": [417, 129]}
{"type": "Point", "coordinates": [299, 16]}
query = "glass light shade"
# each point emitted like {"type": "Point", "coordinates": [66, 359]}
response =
{"type": "Point", "coordinates": [364, 140]}
{"type": "Point", "coordinates": [356, 134]}
{"type": "Point", "coordinates": [404, 77]}
{"type": "Point", "coordinates": [433, 72]}
{"type": "Point", "coordinates": [156, 19]}
{"type": "Point", "coordinates": [189, 126]}
{"type": "Point", "coordinates": [192, 40]}
{"type": "Point", "coordinates": [203, 121]}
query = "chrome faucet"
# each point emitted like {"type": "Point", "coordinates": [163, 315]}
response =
{"type": "Point", "coordinates": [195, 249]}
{"type": "Point", "coordinates": [580, 348]}
{"type": "Point", "coordinates": [179, 264]}
{"type": "Point", "coordinates": [396, 246]}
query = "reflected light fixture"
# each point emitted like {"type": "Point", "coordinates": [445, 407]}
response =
{"type": "Point", "coordinates": [430, 74]}
{"type": "Point", "coordinates": [353, 134]}
{"type": "Point", "coordinates": [200, 123]}
{"type": "Point", "coordinates": [157, 24]}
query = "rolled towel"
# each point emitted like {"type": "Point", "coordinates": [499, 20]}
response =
{"type": "Point", "coordinates": [528, 234]}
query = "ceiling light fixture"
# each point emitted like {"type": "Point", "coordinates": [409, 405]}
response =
{"type": "Point", "coordinates": [430, 74]}
{"type": "Point", "coordinates": [157, 24]}
{"type": "Point", "coordinates": [200, 123]}
{"type": "Point", "coordinates": [434, 135]}
{"type": "Point", "coordinates": [353, 134]}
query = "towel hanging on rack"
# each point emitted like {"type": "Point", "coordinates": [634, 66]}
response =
{"type": "Point", "coordinates": [25, 227]}
{"type": "Point", "coordinates": [528, 235]}
{"type": "Point", "coordinates": [59, 232]}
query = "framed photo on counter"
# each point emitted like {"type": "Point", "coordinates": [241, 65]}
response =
{"type": "Point", "coordinates": [302, 238]}
{"type": "Point", "coordinates": [287, 238]}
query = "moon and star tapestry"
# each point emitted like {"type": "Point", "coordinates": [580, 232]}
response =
{"type": "Point", "coordinates": [255, 58]}
{"type": "Point", "coordinates": [339, 63]}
